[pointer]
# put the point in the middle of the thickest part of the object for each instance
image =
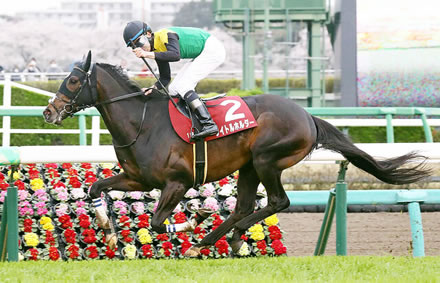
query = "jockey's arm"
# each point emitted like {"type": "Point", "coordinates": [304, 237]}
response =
{"type": "Point", "coordinates": [164, 73]}
{"type": "Point", "coordinates": [172, 54]}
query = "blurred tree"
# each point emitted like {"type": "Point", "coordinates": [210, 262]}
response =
{"type": "Point", "coordinates": [195, 14]}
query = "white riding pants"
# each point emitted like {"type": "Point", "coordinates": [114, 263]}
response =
{"type": "Point", "coordinates": [212, 56]}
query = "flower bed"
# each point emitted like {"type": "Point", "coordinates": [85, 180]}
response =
{"type": "Point", "coordinates": [57, 219]}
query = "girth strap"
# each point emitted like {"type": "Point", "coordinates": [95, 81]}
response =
{"type": "Point", "coordinates": [200, 165]}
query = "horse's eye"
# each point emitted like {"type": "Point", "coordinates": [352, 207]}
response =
{"type": "Point", "coordinates": [73, 80]}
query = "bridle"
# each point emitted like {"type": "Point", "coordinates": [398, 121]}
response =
{"type": "Point", "coordinates": [70, 106]}
{"type": "Point", "coordinates": [90, 82]}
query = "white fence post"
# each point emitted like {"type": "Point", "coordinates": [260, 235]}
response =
{"type": "Point", "coordinates": [6, 140]}
{"type": "Point", "coordinates": [96, 120]}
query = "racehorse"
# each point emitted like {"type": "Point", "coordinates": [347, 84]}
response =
{"type": "Point", "coordinates": [153, 156]}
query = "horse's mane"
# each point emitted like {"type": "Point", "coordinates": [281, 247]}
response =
{"type": "Point", "coordinates": [117, 73]}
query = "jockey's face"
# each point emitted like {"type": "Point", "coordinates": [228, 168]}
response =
{"type": "Point", "coordinates": [144, 41]}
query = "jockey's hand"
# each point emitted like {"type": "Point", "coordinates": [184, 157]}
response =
{"type": "Point", "coordinates": [140, 53]}
{"type": "Point", "coordinates": [149, 90]}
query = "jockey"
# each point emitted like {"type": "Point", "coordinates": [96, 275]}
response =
{"type": "Point", "coordinates": [172, 44]}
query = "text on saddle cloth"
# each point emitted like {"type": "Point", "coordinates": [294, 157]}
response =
{"type": "Point", "coordinates": [231, 114]}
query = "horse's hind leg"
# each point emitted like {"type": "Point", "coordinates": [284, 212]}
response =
{"type": "Point", "coordinates": [247, 188]}
{"type": "Point", "coordinates": [270, 176]}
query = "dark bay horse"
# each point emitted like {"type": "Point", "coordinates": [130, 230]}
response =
{"type": "Point", "coordinates": [153, 156]}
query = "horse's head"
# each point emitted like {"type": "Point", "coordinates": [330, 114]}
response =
{"type": "Point", "coordinates": [77, 92]}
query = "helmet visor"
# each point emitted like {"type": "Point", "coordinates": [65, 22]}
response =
{"type": "Point", "coordinates": [140, 41]}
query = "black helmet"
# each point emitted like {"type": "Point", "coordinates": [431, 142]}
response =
{"type": "Point", "coordinates": [133, 30]}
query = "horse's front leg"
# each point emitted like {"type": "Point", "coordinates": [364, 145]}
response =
{"type": "Point", "coordinates": [171, 195]}
{"type": "Point", "coordinates": [121, 182]}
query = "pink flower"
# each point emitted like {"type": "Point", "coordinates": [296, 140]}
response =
{"type": "Point", "coordinates": [61, 209]}
{"type": "Point", "coordinates": [2, 196]}
{"type": "Point", "coordinates": [23, 195]}
{"type": "Point", "coordinates": [63, 195]}
{"type": "Point", "coordinates": [40, 204]}
{"type": "Point", "coordinates": [135, 195]}
{"type": "Point", "coordinates": [207, 190]}
{"type": "Point", "coordinates": [42, 211]}
{"type": "Point", "coordinates": [80, 211]}
{"type": "Point", "coordinates": [211, 203]}
{"type": "Point", "coordinates": [80, 203]}
{"type": "Point", "coordinates": [230, 203]}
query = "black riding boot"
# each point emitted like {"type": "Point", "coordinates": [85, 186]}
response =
{"type": "Point", "coordinates": [209, 128]}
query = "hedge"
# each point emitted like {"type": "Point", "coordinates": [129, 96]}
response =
{"type": "Point", "coordinates": [25, 98]}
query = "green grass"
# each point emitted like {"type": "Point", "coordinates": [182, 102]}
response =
{"type": "Point", "coordinates": [284, 269]}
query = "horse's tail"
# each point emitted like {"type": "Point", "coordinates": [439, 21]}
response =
{"type": "Point", "coordinates": [388, 171]}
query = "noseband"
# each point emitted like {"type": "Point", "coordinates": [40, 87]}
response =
{"type": "Point", "coordinates": [70, 106]}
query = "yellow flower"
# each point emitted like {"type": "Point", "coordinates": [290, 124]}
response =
{"type": "Point", "coordinates": [31, 239]}
{"type": "Point", "coordinates": [257, 236]}
{"type": "Point", "coordinates": [256, 228]}
{"type": "Point", "coordinates": [48, 226]}
{"type": "Point", "coordinates": [16, 175]}
{"type": "Point", "coordinates": [271, 220]}
{"type": "Point", "coordinates": [37, 184]}
{"type": "Point", "coordinates": [45, 220]}
{"type": "Point", "coordinates": [107, 165]}
{"type": "Point", "coordinates": [130, 251]}
{"type": "Point", "coordinates": [144, 236]}
{"type": "Point", "coordinates": [166, 222]}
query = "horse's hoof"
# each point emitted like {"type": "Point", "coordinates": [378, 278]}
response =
{"type": "Point", "coordinates": [205, 212]}
{"type": "Point", "coordinates": [111, 240]}
{"type": "Point", "coordinates": [236, 246]}
{"type": "Point", "coordinates": [192, 252]}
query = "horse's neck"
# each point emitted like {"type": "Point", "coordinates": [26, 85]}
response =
{"type": "Point", "coordinates": [122, 118]}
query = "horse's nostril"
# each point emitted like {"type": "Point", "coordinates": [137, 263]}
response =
{"type": "Point", "coordinates": [46, 113]}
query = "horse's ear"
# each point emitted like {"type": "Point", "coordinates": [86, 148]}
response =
{"type": "Point", "coordinates": [86, 65]}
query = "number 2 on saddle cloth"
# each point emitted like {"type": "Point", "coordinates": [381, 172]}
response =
{"type": "Point", "coordinates": [231, 114]}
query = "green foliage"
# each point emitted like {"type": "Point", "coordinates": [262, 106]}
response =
{"type": "Point", "coordinates": [205, 85]}
{"type": "Point", "coordinates": [379, 134]}
{"type": "Point", "coordinates": [262, 269]}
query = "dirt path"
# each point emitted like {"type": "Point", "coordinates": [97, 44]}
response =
{"type": "Point", "coordinates": [368, 233]}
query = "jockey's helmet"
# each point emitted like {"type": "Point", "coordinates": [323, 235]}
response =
{"type": "Point", "coordinates": [133, 32]}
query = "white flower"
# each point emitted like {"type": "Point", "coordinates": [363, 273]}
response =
{"type": "Point", "coordinates": [116, 195]}
{"type": "Point", "coordinates": [155, 194]}
{"type": "Point", "coordinates": [230, 203]}
{"type": "Point", "coordinates": [244, 250]}
{"type": "Point", "coordinates": [263, 202]}
{"type": "Point", "coordinates": [178, 208]}
{"type": "Point", "coordinates": [226, 190]}
{"type": "Point", "coordinates": [191, 193]}
{"type": "Point", "coordinates": [261, 190]}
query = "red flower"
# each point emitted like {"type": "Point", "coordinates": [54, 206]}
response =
{"type": "Point", "coordinates": [49, 238]}
{"type": "Point", "coordinates": [65, 221]}
{"type": "Point", "coordinates": [205, 252]}
{"type": "Point", "coordinates": [223, 181]}
{"type": "Point", "coordinates": [110, 253]}
{"type": "Point", "coordinates": [72, 172]}
{"type": "Point", "coordinates": [275, 233]}
{"type": "Point", "coordinates": [125, 233]}
{"type": "Point", "coordinates": [90, 180]}
{"type": "Point", "coordinates": [70, 236]}
{"type": "Point", "coordinates": [167, 245]}
{"type": "Point", "coordinates": [27, 225]}
{"type": "Point", "coordinates": [86, 165]}
{"type": "Point", "coordinates": [93, 252]}
{"type": "Point", "coordinates": [57, 184]}
{"type": "Point", "coordinates": [107, 172]}
{"type": "Point", "coordinates": [4, 186]}
{"type": "Point", "coordinates": [20, 185]}
{"type": "Point", "coordinates": [89, 236]}
{"type": "Point", "coordinates": [67, 165]}
{"type": "Point", "coordinates": [143, 221]}
{"type": "Point", "coordinates": [51, 165]}
{"type": "Point", "coordinates": [162, 237]}
{"type": "Point", "coordinates": [278, 247]}
{"type": "Point", "coordinates": [244, 238]}
{"type": "Point", "coordinates": [182, 236]}
{"type": "Point", "coordinates": [89, 174]}
{"type": "Point", "coordinates": [216, 223]}
{"type": "Point", "coordinates": [33, 173]}
{"type": "Point", "coordinates": [147, 251]}
{"type": "Point", "coordinates": [261, 245]}
{"type": "Point", "coordinates": [73, 251]}
{"type": "Point", "coordinates": [34, 254]}
{"type": "Point", "coordinates": [222, 247]}
{"type": "Point", "coordinates": [84, 224]}
{"type": "Point", "coordinates": [74, 182]}
{"type": "Point", "coordinates": [180, 217]}
{"type": "Point", "coordinates": [124, 218]}
{"type": "Point", "coordinates": [185, 246]}
{"type": "Point", "coordinates": [54, 254]}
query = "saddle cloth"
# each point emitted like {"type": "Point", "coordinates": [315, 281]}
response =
{"type": "Point", "coordinates": [231, 114]}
